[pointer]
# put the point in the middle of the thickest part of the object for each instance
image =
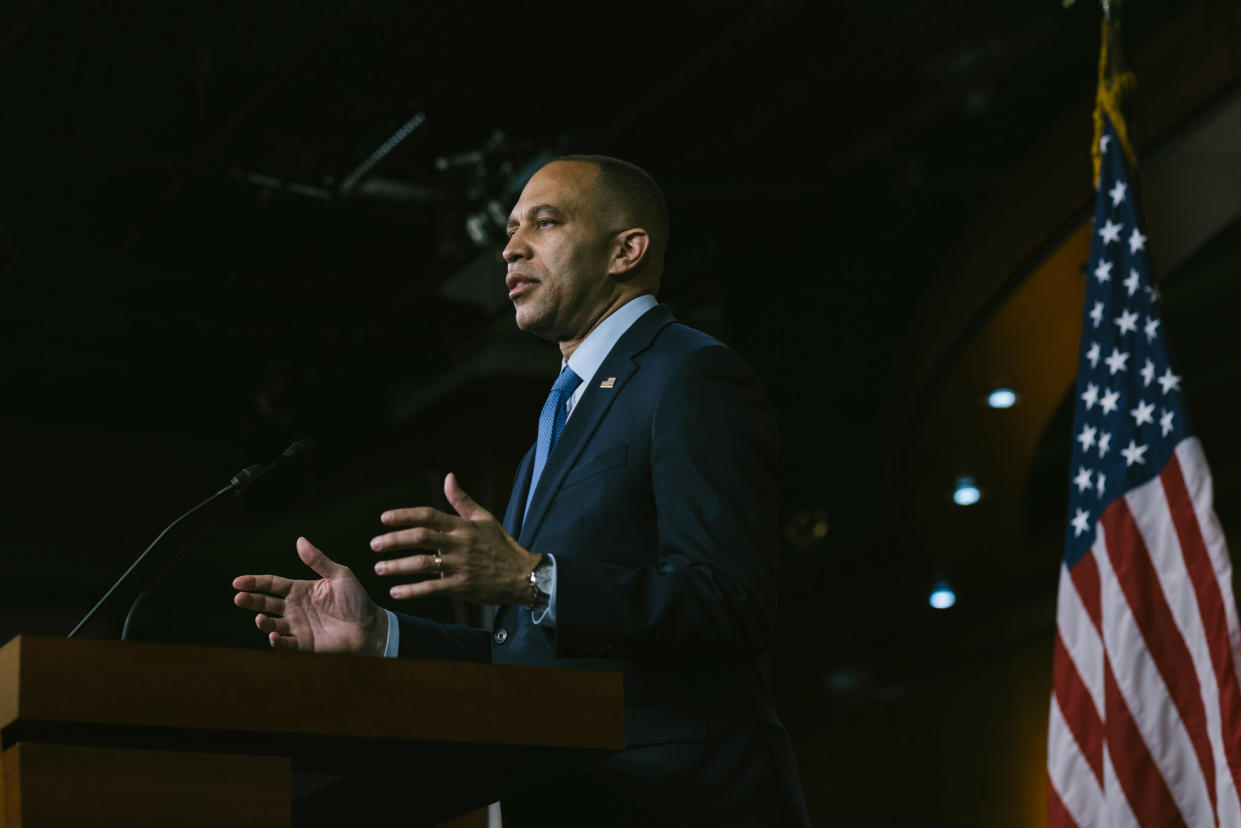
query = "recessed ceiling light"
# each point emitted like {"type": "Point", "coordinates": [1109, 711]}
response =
{"type": "Point", "coordinates": [966, 493]}
{"type": "Point", "coordinates": [1002, 398]}
{"type": "Point", "coordinates": [942, 597]}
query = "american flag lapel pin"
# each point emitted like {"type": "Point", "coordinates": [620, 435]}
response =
{"type": "Point", "coordinates": [608, 383]}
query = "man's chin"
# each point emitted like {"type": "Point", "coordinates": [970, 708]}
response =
{"type": "Point", "coordinates": [535, 326]}
{"type": "Point", "coordinates": [527, 320]}
{"type": "Point", "coordinates": [522, 317]}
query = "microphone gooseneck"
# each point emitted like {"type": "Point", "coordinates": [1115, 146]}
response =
{"type": "Point", "coordinates": [239, 483]}
{"type": "Point", "coordinates": [133, 566]}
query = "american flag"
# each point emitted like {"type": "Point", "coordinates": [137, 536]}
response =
{"type": "Point", "coordinates": [1145, 726]}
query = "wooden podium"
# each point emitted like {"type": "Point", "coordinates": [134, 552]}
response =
{"type": "Point", "coordinates": [123, 733]}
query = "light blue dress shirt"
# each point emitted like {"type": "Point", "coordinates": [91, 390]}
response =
{"type": "Point", "coordinates": [585, 362]}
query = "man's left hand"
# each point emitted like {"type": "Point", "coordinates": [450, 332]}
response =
{"type": "Point", "coordinates": [477, 559]}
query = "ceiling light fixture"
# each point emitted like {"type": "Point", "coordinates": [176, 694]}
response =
{"type": "Point", "coordinates": [965, 493]}
{"type": "Point", "coordinates": [942, 596]}
{"type": "Point", "coordinates": [1002, 398]}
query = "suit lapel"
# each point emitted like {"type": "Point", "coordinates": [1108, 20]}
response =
{"type": "Point", "coordinates": [512, 515]}
{"type": "Point", "coordinates": [587, 415]}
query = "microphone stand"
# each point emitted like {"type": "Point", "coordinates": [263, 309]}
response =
{"type": "Point", "coordinates": [241, 481]}
{"type": "Point", "coordinates": [142, 557]}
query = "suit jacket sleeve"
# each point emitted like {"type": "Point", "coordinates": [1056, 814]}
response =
{"type": "Point", "coordinates": [710, 589]}
{"type": "Point", "coordinates": [423, 638]}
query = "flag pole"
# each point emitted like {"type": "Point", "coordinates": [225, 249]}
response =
{"type": "Point", "coordinates": [1114, 85]}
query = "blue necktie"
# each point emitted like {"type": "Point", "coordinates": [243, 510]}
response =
{"type": "Point", "coordinates": [551, 423]}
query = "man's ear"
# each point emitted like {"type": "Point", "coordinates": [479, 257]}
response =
{"type": "Point", "coordinates": [630, 250]}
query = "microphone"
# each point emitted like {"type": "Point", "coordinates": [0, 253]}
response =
{"type": "Point", "coordinates": [239, 482]}
{"type": "Point", "coordinates": [250, 475]}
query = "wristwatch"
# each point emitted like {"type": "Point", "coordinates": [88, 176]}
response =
{"type": "Point", "coordinates": [540, 584]}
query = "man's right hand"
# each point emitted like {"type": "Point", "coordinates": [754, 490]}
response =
{"type": "Point", "coordinates": [331, 615]}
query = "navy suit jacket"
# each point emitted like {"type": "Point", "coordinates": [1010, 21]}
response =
{"type": "Point", "coordinates": [659, 502]}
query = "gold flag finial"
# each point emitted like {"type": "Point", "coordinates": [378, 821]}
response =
{"type": "Point", "coordinates": [1114, 86]}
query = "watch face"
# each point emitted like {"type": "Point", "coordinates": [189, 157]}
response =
{"type": "Point", "coordinates": [543, 576]}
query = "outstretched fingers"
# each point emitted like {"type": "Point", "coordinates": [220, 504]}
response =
{"type": "Point", "coordinates": [316, 560]}
{"type": "Point", "coordinates": [413, 565]}
{"type": "Point", "coordinates": [424, 588]}
{"type": "Point", "coordinates": [420, 538]}
{"type": "Point", "coordinates": [267, 624]}
{"type": "Point", "coordinates": [462, 503]}
{"type": "Point", "coordinates": [419, 516]}
{"type": "Point", "coordinates": [271, 584]}
{"type": "Point", "coordinates": [283, 642]}
{"type": "Point", "coordinates": [259, 602]}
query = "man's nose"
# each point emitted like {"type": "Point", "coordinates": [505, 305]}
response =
{"type": "Point", "coordinates": [514, 248]}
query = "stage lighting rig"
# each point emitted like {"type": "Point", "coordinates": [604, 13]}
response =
{"type": "Point", "coordinates": [349, 181]}
{"type": "Point", "coordinates": [493, 176]}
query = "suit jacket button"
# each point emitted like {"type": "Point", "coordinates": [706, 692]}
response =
{"type": "Point", "coordinates": [500, 636]}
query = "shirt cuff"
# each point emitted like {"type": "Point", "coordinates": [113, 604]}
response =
{"type": "Point", "coordinates": [546, 616]}
{"type": "Point", "coordinates": [394, 636]}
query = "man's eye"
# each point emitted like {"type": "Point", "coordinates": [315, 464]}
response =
{"type": "Point", "coordinates": [545, 222]}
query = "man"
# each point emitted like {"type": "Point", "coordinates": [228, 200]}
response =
{"type": "Point", "coordinates": [641, 534]}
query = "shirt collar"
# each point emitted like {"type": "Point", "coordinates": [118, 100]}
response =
{"type": "Point", "coordinates": [595, 348]}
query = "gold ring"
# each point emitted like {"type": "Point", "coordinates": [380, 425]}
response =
{"type": "Point", "coordinates": [439, 563]}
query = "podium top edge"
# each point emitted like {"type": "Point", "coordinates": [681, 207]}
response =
{"type": "Point", "coordinates": [205, 688]}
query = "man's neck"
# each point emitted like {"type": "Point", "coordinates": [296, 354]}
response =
{"type": "Point", "coordinates": [568, 346]}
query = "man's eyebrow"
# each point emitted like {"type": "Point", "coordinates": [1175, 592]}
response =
{"type": "Point", "coordinates": [545, 209]}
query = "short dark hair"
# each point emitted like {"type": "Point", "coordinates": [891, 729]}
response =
{"type": "Point", "coordinates": [630, 191]}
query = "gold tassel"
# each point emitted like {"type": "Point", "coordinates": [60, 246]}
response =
{"type": "Point", "coordinates": [1113, 88]}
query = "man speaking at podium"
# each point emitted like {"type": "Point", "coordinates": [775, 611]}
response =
{"type": "Point", "coordinates": [641, 534]}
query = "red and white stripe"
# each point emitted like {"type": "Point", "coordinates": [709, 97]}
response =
{"type": "Point", "coordinates": [1145, 725]}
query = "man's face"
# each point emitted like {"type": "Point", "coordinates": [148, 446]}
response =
{"type": "Point", "coordinates": [558, 253]}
